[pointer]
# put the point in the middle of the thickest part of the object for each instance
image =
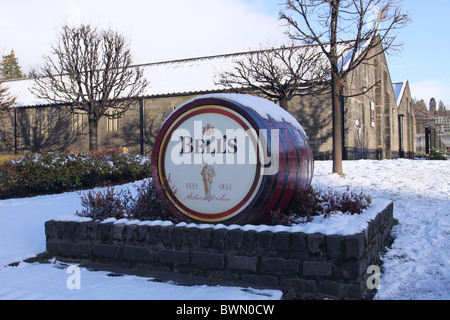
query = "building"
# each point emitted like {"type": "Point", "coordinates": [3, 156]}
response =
{"type": "Point", "coordinates": [433, 131]}
{"type": "Point", "coordinates": [379, 124]}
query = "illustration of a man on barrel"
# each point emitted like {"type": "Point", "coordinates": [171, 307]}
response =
{"type": "Point", "coordinates": [208, 174]}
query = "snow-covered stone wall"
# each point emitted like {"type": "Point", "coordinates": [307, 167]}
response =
{"type": "Point", "coordinates": [303, 265]}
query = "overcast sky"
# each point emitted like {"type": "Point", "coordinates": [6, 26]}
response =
{"type": "Point", "coordinates": [176, 29]}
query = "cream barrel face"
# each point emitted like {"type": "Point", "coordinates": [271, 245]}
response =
{"type": "Point", "coordinates": [230, 159]}
{"type": "Point", "coordinates": [209, 163]}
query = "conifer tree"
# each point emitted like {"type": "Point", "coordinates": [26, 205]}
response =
{"type": "Point", "coordinates": [9, 67]}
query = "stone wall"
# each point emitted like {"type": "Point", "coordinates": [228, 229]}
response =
{"type": "Point", "coordinates": [306, 266]}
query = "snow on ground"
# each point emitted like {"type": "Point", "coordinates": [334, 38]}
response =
{"type": "Point", "coordinates": [416, 266]}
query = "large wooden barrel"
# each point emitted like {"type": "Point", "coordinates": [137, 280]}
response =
{"type": "Point", "coordinates": [231, 159]}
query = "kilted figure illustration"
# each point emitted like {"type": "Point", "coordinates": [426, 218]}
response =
{"type": "Point", "coordinates": [208, 174]}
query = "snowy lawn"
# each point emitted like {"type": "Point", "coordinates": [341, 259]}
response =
{"type": "Point", "coordinates": [415, 267]}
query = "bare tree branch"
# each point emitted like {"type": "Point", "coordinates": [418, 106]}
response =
{"type": "Point", "coordinates": [279, 73]}
{"type": "Point", "coordinates": [349, 33]}
{"type": "Point", "coordinates": [90, 71]}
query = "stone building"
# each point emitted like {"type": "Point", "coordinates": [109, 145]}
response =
{"type": "Point", "coordinates": [379, 124]}
{"type": "Point", "coordinates": [433, 131]}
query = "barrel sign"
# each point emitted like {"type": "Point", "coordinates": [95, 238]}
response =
{"type": "Point", "coordinates": [231, 159]}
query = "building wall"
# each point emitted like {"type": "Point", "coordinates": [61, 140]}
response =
{"type": "Point", "coordinates": [372, 122]}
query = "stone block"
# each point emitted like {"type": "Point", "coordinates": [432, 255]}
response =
{"type": "Point", "coordinates": [235, 239]}
{"type": "Point", "coordinates": [74, 250]}
{"type": "Point", "coordinates": [83, 230]}
{"type": "Point", "coordinates": [329, 288]}
{"type": "Point", "coordinates": [314, 242]}
{"type": "Point", "coordinates": [165, 235]}
{"type": "Point", "coordinates": [132, 253]}
{"type": "Point", "coordinates": [204, 238]}
{"type": "Point", "coordinates": [260, 280]}
{"type": "Point", "coordinates": [299, 241]}
{"type": "Point", "coordinates": [118, 231]}
{"type": "Point", "coordinates": [222, 275]}
{"type": "Point", "coordinates": [49, 234]}
{"type": "Point", "coordinates": [218, 237]}
{"type": "Point", "coordinates": [248, 243]}
{"type": "Point", "coordinates": [60, 229]}
{"type": "Point", "coordinates": [142, 233]}
{"type": "Point", "coordinates": [352, 291]}
{"type": "Point", "coordinates": [53, 246]}
{"type": "Point", "coordinates": [280, 241]}
{"type": "Point", "coordinates": [105, 231]}
{"type": "Point", "coordinates": [301, 287]}
{"type": "Point", "coordinates": [92, 230]}
{"type": "Point", "coordinates": [153, 235]}
{"type": "Point", "coordinates": [354, 246]}
{"type": "Point", "coordinates": [208, 260]}
{"type": "Point", "coordinates": [191, 236]}
{"type": "Point", "coordinates": [281, 266]}
{"type": "Point", "coordinates": [105, 251]}
{"type": "Point", "coordinates": [264, 240]}
{"type": "Point", "coordinates": [173, 257]}
{"type": "Point", "coordinates": [317, 269]}
{"type": "Point", "coordinates": [72, 230]}
{"type": "Point", "coordinates": [178, 236]}
{"type": "Point", "coordinates": [242, 263]}
{"type": "Point", "coordinates": [334, 245]}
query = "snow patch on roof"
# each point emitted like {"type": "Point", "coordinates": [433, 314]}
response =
{"type": "Point", "coordinates": [187, 76]}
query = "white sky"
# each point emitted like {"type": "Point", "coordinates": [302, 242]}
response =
{"type": "Point", "coordinates": [176, 29]}
{"type": "Point", "coordinates": [159, 30]}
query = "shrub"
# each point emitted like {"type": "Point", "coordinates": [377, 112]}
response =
{"type": "Point", "coordinates": [102, 205]}
{"type": "Point", "coordinates": [57, 172]}
{"type": "Point", "coordinates": [145, 206]}
{"type": "Point", "coordinates": [437, 154]}
{"type": "Point", "coordinates": [308, 203]}
{"type": "Point", "coordinates": [7, 158]}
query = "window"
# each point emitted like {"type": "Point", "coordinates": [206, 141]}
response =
{"type": "Point", "coordinates": [112, 122]}
{"type": "Point", "coordinates": [372, 114]}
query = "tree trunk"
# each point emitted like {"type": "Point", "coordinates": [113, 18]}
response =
{"type": "Point", "coordinates": [336, 90]}
{"type": "Point", "coordinates": [284, 102]}
{"type": "Point", "coordinates": [93, 133]}
{"type": "Point", "coordinates": [337, 126]}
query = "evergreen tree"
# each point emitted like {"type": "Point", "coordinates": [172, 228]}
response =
{"type": "Point", "coordinates": [442, 109]}
{"type": "Point", "coordinates": [433, 105]}
{"type": "Point", "coordinates": [9, 67]}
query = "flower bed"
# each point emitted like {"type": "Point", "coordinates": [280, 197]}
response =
{"type": "Point", "coordinates": [325, 258]}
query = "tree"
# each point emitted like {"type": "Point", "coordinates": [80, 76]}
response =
{"type": "Point", "coordinates": [432, 105]}
{"type": "Point", "coordinates": [442, 109]}
{"type": "Point", "coordinates": [90, 72]}
{"type": "Point", "coordinates": [366, 27]}
{"type": "Point", "coordinates": [279, 73]}
{"type": "Point", "coordinates": [420, 105]}
{"type": "Point", "coordinates": [9, 67]}
{"type": "Point", "coordinates": [6, 99]}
